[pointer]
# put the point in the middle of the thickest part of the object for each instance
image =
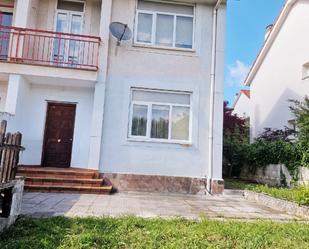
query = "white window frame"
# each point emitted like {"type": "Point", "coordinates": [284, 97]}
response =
{"type": "Point", "coordinates": [149, 105]}
{"type": "Point", "coordinates": [69, 14]}
{"type": "Point", "coordinates": [154, 27]}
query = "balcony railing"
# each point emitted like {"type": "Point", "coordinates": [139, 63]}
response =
{"type": "Point", "coordinates": [46, 48]}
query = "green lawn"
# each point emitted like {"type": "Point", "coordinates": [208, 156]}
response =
{"type": "Point", "coordinates": [138, 233]}
{"type": "Point", "coordinates": [299, 195]}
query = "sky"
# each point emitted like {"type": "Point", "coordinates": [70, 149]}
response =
{"type": "Point", "coordinates": [246, 24]}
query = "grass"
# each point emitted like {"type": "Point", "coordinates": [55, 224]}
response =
{"type": "Point", "coordinates": [135, 233]}
{"type": "Point", "coordinates": [299, 195]}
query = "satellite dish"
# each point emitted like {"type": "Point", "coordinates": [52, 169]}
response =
{"type": "Point", "coordinates": [120, 31]}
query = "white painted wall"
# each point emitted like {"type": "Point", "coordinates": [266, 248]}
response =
{"type": "Point", "coordinates": [31, 114]}
{"type": "Point", "coordinates": [242, 106]}
{"type": "Point", "coordinates": [280, 75]}
{"type": "Point", "coordinates": [134, 66]}
{"type": "Point", "coordinates": [3, 93]}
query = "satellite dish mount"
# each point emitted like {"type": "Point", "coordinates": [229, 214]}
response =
{"type": "Point", "coordinates": [120, 31]}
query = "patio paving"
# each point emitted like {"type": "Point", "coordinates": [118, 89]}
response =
{"type": "Point", "coordinates": [148, 205]}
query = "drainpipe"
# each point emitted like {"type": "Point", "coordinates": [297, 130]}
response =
{"type": "Point", "coordinates": [212, 94]}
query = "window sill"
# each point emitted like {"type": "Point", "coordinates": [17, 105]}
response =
{"type": "Point", "coordinates": [186, 50]}
{"type": "Point", "coordinates": [160, 141]}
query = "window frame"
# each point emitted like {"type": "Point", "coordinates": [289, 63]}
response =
{"type": "Point", "coordinates": [149, 105]}
{"type": "Point", "coordinates": [154, 27]}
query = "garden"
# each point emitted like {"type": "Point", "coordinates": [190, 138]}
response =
{"type": "Point", "coordinates": [289, 147]}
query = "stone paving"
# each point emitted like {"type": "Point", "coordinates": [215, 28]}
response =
{"type": "Point", "coordinates": [148, 205]}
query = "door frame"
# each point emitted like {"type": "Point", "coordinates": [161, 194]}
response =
{"type": "Point", "coordinates": [57, 103]}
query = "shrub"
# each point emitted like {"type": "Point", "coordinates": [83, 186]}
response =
{"type": "Point", "coordinates": [273, 146]}
{"type": "Point", "coordinates": [235, 136]}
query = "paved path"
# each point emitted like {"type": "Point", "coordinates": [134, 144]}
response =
{"type": "Point", "coordinates": [147, 205]}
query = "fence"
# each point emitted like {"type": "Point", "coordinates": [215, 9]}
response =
{"type": "Point", "coordinates": [10, 148]}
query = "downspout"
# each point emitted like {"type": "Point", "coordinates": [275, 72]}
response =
{"type": "Point", "coordinates": [212, 95]}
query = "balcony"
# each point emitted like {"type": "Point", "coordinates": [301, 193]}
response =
{"type": "Point", "coordinates": [47, 48]}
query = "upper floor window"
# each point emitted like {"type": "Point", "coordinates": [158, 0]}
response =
{"type": "Point", "coordinates": [164, 24]}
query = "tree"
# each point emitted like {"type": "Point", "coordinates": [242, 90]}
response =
{"type": "Point", "coordinates": [235, 136]}
{"type": "Point", "coordinates": [235, 129]}
{"type": "Point", "coordinates": [301, 111]}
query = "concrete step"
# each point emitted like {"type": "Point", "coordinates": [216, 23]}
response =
{"type": "Point", "coordinates": [68, 189]}
{"type": "Point", "coordinates": [71, 180]}
{"type": "Point", "coordinates": [64, 181]}
{"type": "Point", "coordinates": [70, 173]}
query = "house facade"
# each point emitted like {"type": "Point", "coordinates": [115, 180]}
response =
{"type": "Point", "coordinates": [280, 72]}
{"type": "Point", "coordinates": [241, 106]}
{"type": "Point", "coordinates": [148, 111]}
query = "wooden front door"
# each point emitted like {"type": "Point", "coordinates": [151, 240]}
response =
{"type": "Point", "coordinates": [58, 138]}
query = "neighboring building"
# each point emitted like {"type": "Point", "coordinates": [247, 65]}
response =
{"type": "Point", "coordinates": [281, 70]}
{"type": "Point", "coordinates": [148, 112]}
{"type": "Point", "coordinates": [241, 106]}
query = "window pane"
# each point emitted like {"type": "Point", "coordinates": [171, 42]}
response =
{"type": "Point", "coordinates": [59, 44]}
{"type": "Point", "coordinates": [162, 97]}
{"type": "Point", "coordinates": [165, 30]}
{"type": "Point", "coordinates": [184, 32]}
{"type": "Point", "coordinates": [76, 28]}
{"type": "Point", "coordinates": [180, 123]}
{"type": "Point", "coordinates": [5, 20]}
{"type": "Point", "coordinates": [76, 24]}
{"type": "Point", "coordinates": [159, 122]}
{"type": "Point", "coordinates": [139, 120]}
{"type": "Point", "coordinates": [144, 28]}
{"type": "Point", "coordinates": [62, 22]}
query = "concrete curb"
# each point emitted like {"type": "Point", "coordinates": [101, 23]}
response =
{"type": "Point", "coordinates": [18, 189]}
{"type": "Point", "coordinates": [278, 204]}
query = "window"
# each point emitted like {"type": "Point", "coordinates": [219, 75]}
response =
{"type": "Point", "coordinates": [164, 24]}
{"type": "Point", "coordinates": [160, 115]}
{"type": "Point", "coordinates": [5, 20]}
{"type": "Point", "coordinates": [69, 19]}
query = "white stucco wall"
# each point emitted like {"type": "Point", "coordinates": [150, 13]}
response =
{"type": "Point", "coordinates": [280, 75]}
{"type": "Point", "coordinates": [134, 66]}
{"type": "Point", "coordinates": [31, 114]}
{"type": "Point", "coordinates": [242, 106]}
{"type": "Point", "coordinates": [3, 93]}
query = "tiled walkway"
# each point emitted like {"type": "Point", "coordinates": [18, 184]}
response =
{"type": "Point", "coordinates": [148, 205]}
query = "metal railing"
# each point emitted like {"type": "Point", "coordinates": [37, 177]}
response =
{"type": "Point", "coordinates": [47, 48]}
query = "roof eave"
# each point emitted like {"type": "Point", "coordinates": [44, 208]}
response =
{"type": "Point", "coordinates": [269, 41]}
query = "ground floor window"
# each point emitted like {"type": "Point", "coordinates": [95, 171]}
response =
{"type": "Point", "coordinates": [160, 115]}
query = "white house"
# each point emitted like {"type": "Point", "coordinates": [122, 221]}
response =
{"type": "Point", "coordinates": [147, 113]}
{"type": "Point", "coordinates": [241, 105]}
{"type": "Point", "coordinates": [281, 70]}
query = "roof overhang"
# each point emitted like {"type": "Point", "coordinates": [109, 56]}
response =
{"type": "Point", "coordinates": [269, 41]}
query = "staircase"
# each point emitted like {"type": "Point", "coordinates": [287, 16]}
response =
{"type": "Point", "coordinates": [71, 180]}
